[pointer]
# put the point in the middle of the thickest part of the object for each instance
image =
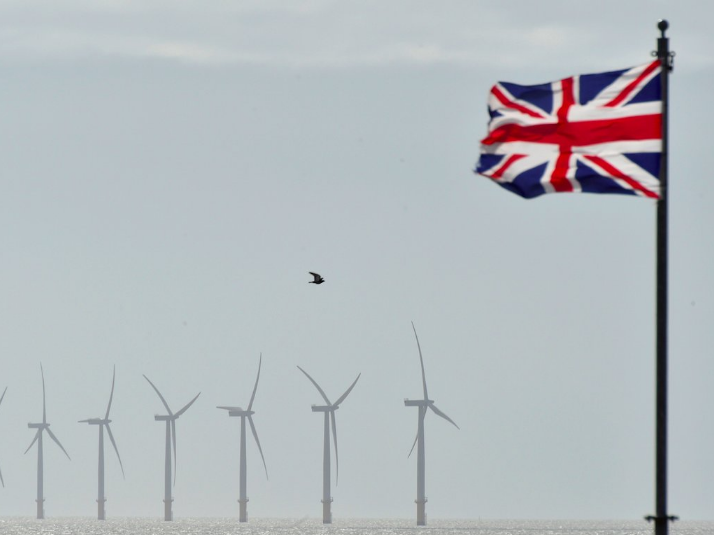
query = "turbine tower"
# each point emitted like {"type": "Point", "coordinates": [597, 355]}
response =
{"type": "Point", "coordinates": [423, 405]}
{"type": "Point", "coordinates": [104, 423]}
{"type": "Point", "coordinates": [44, 426]}
{"type": "Point", "coordinates": [1, 398]}
{"type": "Point", "coordinates": [170, 420]}
{"type": "Point", "coordinates": [246, 414]}
{"type": "Point", "coordinates": [329, 411]}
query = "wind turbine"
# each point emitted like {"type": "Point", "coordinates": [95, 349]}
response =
{"type": "Point", "coordinates": [246, 414]}
{"type": "Point", "coordinates": [423, 405]}
{"type": "Point", "coordinates": [102, 423]}
{"type": "Point", "coordinates": [170, 420]}
{"type": "Point", "coordinates": [44, 426]}
{"type": "Point", "coordinates": [1, 398]}
{"type": "Point", "coordinates": [329, 410]}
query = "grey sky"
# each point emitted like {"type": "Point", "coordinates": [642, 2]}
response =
{"type": "Point", "coordinates": [170, 174]}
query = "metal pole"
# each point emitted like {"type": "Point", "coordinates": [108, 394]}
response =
{"type": "Point", "coordinates": [40, 479]}
{"type": "Point", "coordinates": [168, 513]}
{"type": "Point", "coordinates": [243, 475]}
{"type": "Point", "coordinates": [101, 515]}
{"type": "Point", "coordinates": [421, 470]}
{"type": "Point", "coordinates": [661, 518]}
{"type": "Point", "coordinates": [326, 498]}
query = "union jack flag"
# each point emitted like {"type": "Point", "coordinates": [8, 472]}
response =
{"type": "Point", "coordinates": [594, 133]}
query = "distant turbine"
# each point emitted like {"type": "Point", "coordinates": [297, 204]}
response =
{"type": "Point", "coordinates": [44, 426]}
{"type": "Point", "coordinates": [329, 411]}
{"type": "Point", "coordinates": [246, 414]}
{"type": "Point", "coordinates": [170, 420]}
{"type": "Point", "coordinates": [1, 398]}
{"type": "Point", "coordinates": [102, 423]}
{"type": "Point", "coordinates": [423, 405]}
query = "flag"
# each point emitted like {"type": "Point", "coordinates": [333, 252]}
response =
{"type": "Point", "coordinates": [591, 133]}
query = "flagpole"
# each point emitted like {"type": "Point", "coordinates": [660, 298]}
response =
{"type": "Point", "coordinates": [661, 518]}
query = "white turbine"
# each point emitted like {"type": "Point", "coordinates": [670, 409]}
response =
{"type": "Point", "coordinates": [329, 411]}
{"type": "Point", "coordinates": [170, 420]}
{"type": "Point", "coordinates": [104, 423]}
{"type": "Point", "coordinates": [246, 414]}
{"type": "Point", "coordinates": [423, 405]}
{"type": "Point", "coordinates": [41, 427]}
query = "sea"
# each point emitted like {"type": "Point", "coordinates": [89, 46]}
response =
{"type": "Point", "coordinates": [314, 526]}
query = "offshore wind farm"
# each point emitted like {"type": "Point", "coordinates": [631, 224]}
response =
{"type": "Point", "coordinates": [187, 186]}
{"type": "Point", "coordinates": [170, 450]}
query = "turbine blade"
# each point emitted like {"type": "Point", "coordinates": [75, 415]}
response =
{"type": "Point", "coordinates": [334, 437]}
{"type": "Point", "coordinates": [257, 441]}
{"type": "Point", "coordinates": [413, 445]}
{"type": "Point", "coordinates": [2, 480]}
{"type": "Point", "coordinates": [179, 413]}
{"type": "Point", "coordinates": [44, 411]}
{"type": "Point", "coordinates": [252, 397]}
{"type": "Point", "coordinates": [228, 408]}
{"type": "Point", "coordinates": [82, 421]}
{"type": "Point", "coordinates": [421, 360]}
{"type": "Point", "coordinates": [444, 416]}
{"type": "Point", "coordinates": [422, 415]}
{"type": "Point", "coordinates": [37, 435]}
{"type": "Point", "coordinates": [111, 437]}
{"type": "Point", "coordinates": [173, 439]}
{"type": "Point", "coordinates": [322, 393]}
{"type": "Point", "coordinates": [160, 396]}
{"type": "Point", "coordinates": [3, 395]}
{"type": "Point", "coordinates": [111, 395]}
{"type": "Point", "coordinates": [347, 392]}
{"type": "Point", "coordinates": [53, 437]}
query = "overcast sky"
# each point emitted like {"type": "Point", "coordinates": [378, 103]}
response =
{"type": "Point", "coordinates": [171, 171]}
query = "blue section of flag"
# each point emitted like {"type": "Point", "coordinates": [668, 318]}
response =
{"type": "Point", "coordinates": [539, 95]}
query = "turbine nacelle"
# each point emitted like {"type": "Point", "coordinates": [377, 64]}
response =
{"type": "Point", "coordinates": [237, 411]}
{"type": "Point", "coordinates": [241, 413]}
{"type": "Point", "coordinates": [418, 402]}
{"type": "Point", "coordinates": [165, 417]}
{"type": "Point", "coordinates": [38, 426]}
{"type": "Point", "coordinates": [95, 421]}
{"type": "Point", "coordinates": [325, 408]}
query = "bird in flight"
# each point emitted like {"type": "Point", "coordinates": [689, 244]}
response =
{"type": "Point", "coordinates": [318, 278]}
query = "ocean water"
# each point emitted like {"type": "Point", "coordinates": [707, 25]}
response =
{"type": "Point", "coordinates": [314, 526]}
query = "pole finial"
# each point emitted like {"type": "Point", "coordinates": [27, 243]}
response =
{"type": "Point", "coordinates": [663, 25]}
